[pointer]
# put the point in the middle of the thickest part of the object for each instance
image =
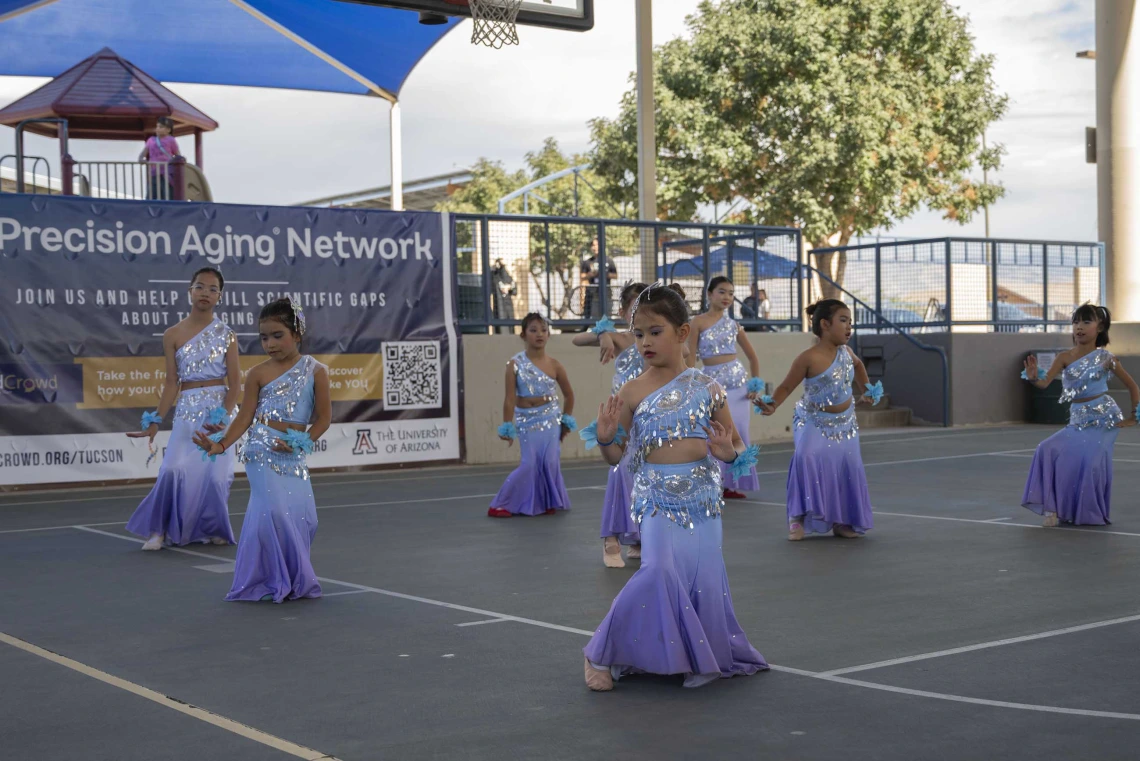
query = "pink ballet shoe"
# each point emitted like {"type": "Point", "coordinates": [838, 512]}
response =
{"type": "Point", "coordinates": [154, 543]}
{"type": "Point", "coordinates": [633, 552]}
{"type": "Point", "coordinates": [795, 532]}
{"type": "Point", "coordinates": [845, 532]}
{"type": "Point", "coordinates": [498, 512]}
{"type": "Point", "coordinates": [218, 540]}
{"type": "Point", "coordinates": [1051, 520]}
{"type": "Point", "coordinates": [734, 494]}
{"type": "Point", "coordinates": [597, 679]}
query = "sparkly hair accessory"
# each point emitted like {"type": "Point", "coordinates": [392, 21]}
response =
{"type": "Point", "coordinates": [640, 296]}
{"type": "Point", "coordinates": [298, 317]}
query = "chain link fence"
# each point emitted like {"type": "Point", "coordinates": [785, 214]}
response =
{"type": "Point", "coordinates": [968, 284]}
{"type": "Point", "coordinates": [572, 270]}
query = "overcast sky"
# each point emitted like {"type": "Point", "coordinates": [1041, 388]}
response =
{"type": "Point", "coordinates": [463, 102]}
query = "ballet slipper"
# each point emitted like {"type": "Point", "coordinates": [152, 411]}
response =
{"type": "Point", "coordinates": [611, 554]}
{"type": "Point", "coordinates": [498, 512]}
{"type": "Point", "coordinates": [1051, 520]}
{"type": "Point", "coordinates": [733, 494]}
{"type": "Point", "coordinates": [218, 540]}
{"type": "Point", "coordinates": [597, 679]}
{"type": "Point", "coordinates": [154, 543]}
{"type": "Point", "coordinates": [795, 532]}
{"type": "Point", "coordinates": [634, 552]}
{"type": "Point", "coordinates": [844, 531]}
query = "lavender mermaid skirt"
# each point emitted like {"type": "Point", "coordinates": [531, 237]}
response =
{"type": "Point", "coordinates": [675, 614]}
{"type": "Point", "coordinates": [188, 500]}
{"type": "Point", "coordinates": [1071, 473]}
{"type": "Point", "coordinates": [278, 531]}
{"type": "Point", "coordinates": [617, 520]}
{"type": "Point", "coordinates": [826, 481]}
{"type": "Point", "coordinates": [536, 485]}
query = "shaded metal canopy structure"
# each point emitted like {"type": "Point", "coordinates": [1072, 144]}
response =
{"type": "Point", "coordinates": [321, 45]}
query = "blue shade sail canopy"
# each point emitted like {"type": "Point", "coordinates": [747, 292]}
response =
{"type": "Point", "coordinates": [760, 264]}
{"type": "Point", "coordinates": [321, 45]}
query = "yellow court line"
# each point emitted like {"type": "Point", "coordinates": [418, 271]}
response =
{"type": "Point", "coordinates": [201, 714]}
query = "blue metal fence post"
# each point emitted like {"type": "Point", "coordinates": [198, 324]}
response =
{"type": "Point", "coordinates": [949, 286]}
{"type": "Point", "coordinates": [603, 272]}
{"type": "Point", "coordinates": [1045, 287]}
{"type": "Point", "coordinates": [705, 256]}
{"type": "Point", "coordinates": [549, 292]}
{"type": "Point", "coordinates": [993, 252]}
{"type": "Point", "coordinates": [485, 262]}
{"type": "Point", "coordinates": [878, 287]}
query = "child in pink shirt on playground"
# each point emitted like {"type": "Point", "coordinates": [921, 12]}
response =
{"type": "Point", "coordinates": [160, 149]}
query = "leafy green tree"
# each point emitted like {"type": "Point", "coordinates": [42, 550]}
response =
{"type": "Point", "coordinates": [557, 247]}
{"type": "Point", "coordinates": [837, 116]}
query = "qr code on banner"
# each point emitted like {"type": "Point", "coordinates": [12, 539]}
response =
{"type": "Point", "coordinates": [412, 375]}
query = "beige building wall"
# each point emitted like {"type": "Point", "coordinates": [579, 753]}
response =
{"type": "Point", "coordinates": [484, 366]}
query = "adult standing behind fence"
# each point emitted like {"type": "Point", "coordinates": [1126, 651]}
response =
{"type": "Point", "coordinates": [591, 307]}
{"type": "Point", "coordinates": [159, 151]}
{"type": "Point", "coordinates": [756, 306]}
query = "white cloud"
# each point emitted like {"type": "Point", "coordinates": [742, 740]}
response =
{"type": "Point", "coordinates": [463, 102]}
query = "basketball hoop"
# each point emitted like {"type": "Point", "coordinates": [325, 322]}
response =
{"type": "Point", "coordinates": [494, 21]}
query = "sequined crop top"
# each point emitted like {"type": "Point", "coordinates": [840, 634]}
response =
{"type": "Point", "coordinates": [1088, 376]}
{"type": "Point", "coordinates": [681, 409]}
{"type": "Point", "coordinates": [530, 381]}
{"type": "Point", "coordinates": [203, 357]}
{"type": "Point", "coordinates": [833, 385]}
{"type": "Point", "coordinates": [627, 366]}
{"type": "Point", "coordinates": [290, 397]}
{"type": "Point", "coordinates": [719, 339]}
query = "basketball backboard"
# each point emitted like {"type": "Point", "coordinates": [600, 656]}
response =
{"type": "Point", "coordinates": [572, 15]}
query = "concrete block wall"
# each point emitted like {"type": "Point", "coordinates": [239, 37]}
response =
{"type": "Point", "coordinates": [485, 357]}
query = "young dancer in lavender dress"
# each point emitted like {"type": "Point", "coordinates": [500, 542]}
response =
{"type": "Point", "coordinates": [286, 407]}
{"type": "Point", "coordinates": [532, 414]}
{"type": "Point", "coordinates": [618, 525]}
{"type": "Point", "coordinates": [675, 616]}
{"type": "Point", "coordinates": [1070, 479]}
{"type": "Point", "coordinates": [714, 340]}
{"type": "Point", "coordinates": [188, 501]}
{"type": "Point", "coordinates": [827, 486]}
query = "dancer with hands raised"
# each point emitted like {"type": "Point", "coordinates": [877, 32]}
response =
{"type": "Point", "coordinates": [675, 616]}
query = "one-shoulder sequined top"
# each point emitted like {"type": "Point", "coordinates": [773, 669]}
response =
{"type": "Point", "coordinates": [627, 366]}
{"type": "Point", "coordinates": [289, 398]}
{"type": "Point", "coordinates": [719, 339]}
{"type": "Point", "coordinates": [1088, 376]}
{"type": "Point", "coordinates": [681, 409]}
{"type": "Point", "coordinates": [203, 357]}
{"type": "Point", "coordinates": [833, 385]}
{"type": "Point", "coordinates": [530, 381]}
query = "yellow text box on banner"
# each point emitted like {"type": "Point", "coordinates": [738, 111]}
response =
{"type": "Point", "coordinates": [134, 382]}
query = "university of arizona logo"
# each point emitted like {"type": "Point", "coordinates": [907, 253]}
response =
{"type": "Point", "coordinates": [364, 443]}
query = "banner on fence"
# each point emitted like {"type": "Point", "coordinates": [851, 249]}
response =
{"type": "Point", "coordinates": [87, 289]}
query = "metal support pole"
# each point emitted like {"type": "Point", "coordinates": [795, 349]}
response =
{"type": "Point", "coordinates": [1118, 151]}
{"type": "Point", "coordinates": [198, 155]}
{"type": "Point", "coordinates": [646, 133]}
{"type": "Point", "coordinates": [395, 141]}
{"type": "Point", "coordinates": [878, 288]}
{"type": "Point", "coordinates": [1044, 287]}
{"type": "Point", "coordinates": [949, 296]}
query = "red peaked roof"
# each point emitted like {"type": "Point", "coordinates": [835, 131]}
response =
{"type": "Point", "coordinates": [106, 97]}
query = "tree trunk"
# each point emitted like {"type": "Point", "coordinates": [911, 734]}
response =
{"type": "Point", "coordinates": [832, 265]}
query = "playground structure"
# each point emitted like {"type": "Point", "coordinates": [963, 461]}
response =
{"type": "Point", "coordinates": [105, 97]}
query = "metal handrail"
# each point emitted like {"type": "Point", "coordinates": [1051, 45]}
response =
{"type": "Point", "coordinates": [919, 344]}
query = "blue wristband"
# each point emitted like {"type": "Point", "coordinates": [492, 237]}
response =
{"type": "Point", "coordinates": [151, 418]}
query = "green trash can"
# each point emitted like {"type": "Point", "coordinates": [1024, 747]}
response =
{"type": "Point", "coordinates": [1044, 405]}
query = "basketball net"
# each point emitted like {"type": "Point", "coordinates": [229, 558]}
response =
{"type": "Point", "coordinates": [494, 22]}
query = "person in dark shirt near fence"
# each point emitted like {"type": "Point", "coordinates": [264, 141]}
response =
{"type": "Point", "coordinates": [591, 307]}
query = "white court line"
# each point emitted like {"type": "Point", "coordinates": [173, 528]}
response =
{"type": "Point", "coordinates": [227, 567]}
{"type": "Point", "coordinates": [783, 669]}
{"type": "Point", "coordinates": [488, 621]}
{"type": "Point", "coordinates": [998, 520]}
{"type": "Point", "coordinates": [201, 714]}
{"type": "Point", "coordinates": [1028, 456]}
{"type": "Point", "coordinates": [960, 698]}
{"type": "Point", "coordinates": [982, 646]}
{"type": "Point", "coordinates": [319, 507]}
{"type": "Point", "coordinates": [348, 592]}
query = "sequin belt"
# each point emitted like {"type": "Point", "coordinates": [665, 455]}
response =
{"type": "Point", "coordinates": [258, 449]}
{"type": "Point", "coordinates": [730, 375]}
{"type": "Point", "coordinates": [1101, 412]}
{"type": "Point", "coordinates": [836, 426]}
{"type": "Point", "coordinates": [687, 494]}
{"type": "Point", "coordinates": [532, 419]}
{"type": "Point", "coordinates": [194, 404]}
